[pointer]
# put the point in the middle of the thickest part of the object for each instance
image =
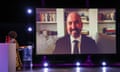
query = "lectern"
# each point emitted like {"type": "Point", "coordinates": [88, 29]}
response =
{"type": "Point", "coordinates": [7, 57]}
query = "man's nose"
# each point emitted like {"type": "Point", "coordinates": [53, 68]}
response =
{"type": "Point", "coordinates": [73, 26]}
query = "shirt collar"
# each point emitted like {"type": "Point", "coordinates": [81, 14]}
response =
{"type": "Point", "coordinates": [78, 39]}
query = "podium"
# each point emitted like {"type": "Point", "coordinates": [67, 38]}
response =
{"type": "Point", "coordinates": [7, 57]}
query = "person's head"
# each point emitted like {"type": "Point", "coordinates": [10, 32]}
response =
{"type": "Point", "coordinates": [12, 34]}
{"type": "Point", "coordinates": [74, 24]}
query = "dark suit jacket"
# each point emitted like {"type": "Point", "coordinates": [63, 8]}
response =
{"type": "Point", "coordinates": [63, 46]}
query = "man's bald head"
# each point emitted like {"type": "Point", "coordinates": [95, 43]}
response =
{"type": "Point", "coordinates": [73, 14]}
{"type": "Point", "coordinates": [74, 24]}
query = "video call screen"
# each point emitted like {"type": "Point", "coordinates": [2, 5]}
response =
{"type": "Point", "coordinates": [99, 26]}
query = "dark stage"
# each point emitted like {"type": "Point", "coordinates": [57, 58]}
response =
{"type": "Point", "coordinates": [74, 69]}
{"type": "Point", "coordinates": [15, 17]}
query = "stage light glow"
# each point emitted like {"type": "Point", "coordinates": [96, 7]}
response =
{"type": "Point", "coordinates": [31, 65]}
{"type": "Point", "coordinates": [45, 64]}
{"type": "Point", "coordinates": [29, 11]}
{"type": "Point", "coordinates": [78, 69]}
{"type": "Point", "coordinates": [104, 63]}
{"type": "Point", "coordinates": [29, 29]}
{"type": "Point", "coordinates": [77, 63]}
{"type": "Point", "coordinates": [104, 69]}
{"type": "Point", "coordinates": [45, 70]}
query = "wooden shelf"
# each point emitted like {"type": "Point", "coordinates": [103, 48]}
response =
{"type": "Point", "coordinates": [85, 22]}
{"type": "Point", "coordinates": [50, 22]}
{"type": "Point", "coordinates": [106, 22]}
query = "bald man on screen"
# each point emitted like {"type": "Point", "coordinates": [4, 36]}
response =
{"type": "Point", "coordinates": [66, 44]}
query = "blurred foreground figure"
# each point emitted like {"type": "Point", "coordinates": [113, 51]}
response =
{"type": "Point", "coordinates": [12, 35]}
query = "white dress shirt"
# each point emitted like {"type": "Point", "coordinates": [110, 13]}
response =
{"type": "Point", "coordinates": [72, 43]}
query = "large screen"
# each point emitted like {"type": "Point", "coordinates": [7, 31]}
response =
{"type": "Point", "coordinates": [56, 28]}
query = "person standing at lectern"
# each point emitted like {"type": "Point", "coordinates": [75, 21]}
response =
{"type": "Point", "coordinates": [12, 35]}
{"type": "Point", "coordinates": [75, 42]}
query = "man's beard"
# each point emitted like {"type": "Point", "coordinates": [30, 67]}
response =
{"type": "Point", "coordinates": [75, 32]}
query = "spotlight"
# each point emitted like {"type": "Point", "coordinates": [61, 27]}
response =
{"type": "Point", "coordinates": [29, 11]}
{"type": "Point", "coordinates": [45, 64]}
{"type": "Point", "coordinates": [29, 29]}
{"type": "Point", "coordinates": [77, 63]}
{"type": "Point", "coordinates": [104, 63]}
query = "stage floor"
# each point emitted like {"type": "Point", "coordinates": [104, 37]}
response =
{"type": "Point", "coordinates": [73, 69]}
